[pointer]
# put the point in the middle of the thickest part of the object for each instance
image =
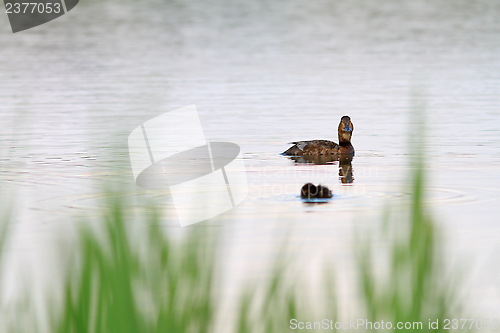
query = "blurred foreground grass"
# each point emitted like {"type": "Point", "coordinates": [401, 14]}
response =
{"type": "Point", "coordinates": [153, 285]}
{"type": "Point", "coordinates": [124, 281]}
{"type": "Point", "coordinates": [416, 287]}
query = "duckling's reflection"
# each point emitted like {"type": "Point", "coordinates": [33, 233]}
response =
{"type": "Point", "coordinates": [345, 164]}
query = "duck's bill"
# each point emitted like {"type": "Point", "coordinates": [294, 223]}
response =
{"type": "Point", "coordinates": [347, 127]}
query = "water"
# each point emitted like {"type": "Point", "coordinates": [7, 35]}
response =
{"type": "Point", "coordinates": [263, 74]}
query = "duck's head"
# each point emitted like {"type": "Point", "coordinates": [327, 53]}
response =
{"type": "Point", "coordinates": [308, 191]}
{"type": "Point", "coordinates": [345, 129]}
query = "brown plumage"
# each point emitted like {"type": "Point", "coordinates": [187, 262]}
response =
{"type": "Point", "coordinates": [311, 191]}
{"type": "Point", "coordinates": [325, 147]}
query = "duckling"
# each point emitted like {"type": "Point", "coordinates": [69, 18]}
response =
{"type": "Point", "coordinates": [311, 191]}
{"type": "Point", "coordinates": [325, 147]}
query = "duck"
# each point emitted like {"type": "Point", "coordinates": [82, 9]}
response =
{"type": "Point", "coordinates": [325, 147]}
{"type": "Point", "coordinates": [310, 191]}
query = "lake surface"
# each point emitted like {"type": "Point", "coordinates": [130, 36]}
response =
{"type": "Point", "coordinates": [263, 74]}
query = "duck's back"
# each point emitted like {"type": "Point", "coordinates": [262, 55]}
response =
{"type": "Point", "coordinates": [312, 147]}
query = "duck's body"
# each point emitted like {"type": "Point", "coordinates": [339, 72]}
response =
{"type": "Point", "coordinates": [312, 147]}
{"type": "Point", "coordinates": [325, 147]}
{"type": "Point", "coordinates": [311, 191]}
{"type": "Point", "coordinates": [318, 147]}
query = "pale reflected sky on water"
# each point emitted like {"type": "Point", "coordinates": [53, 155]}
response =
{"type": "Point", "coordinates": [263, 73]}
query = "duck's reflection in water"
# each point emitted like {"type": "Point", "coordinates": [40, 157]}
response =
{"type": "Point", "coordinates": [344, 160]}
{"type": "Point", "coordinates": [345, 169]}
